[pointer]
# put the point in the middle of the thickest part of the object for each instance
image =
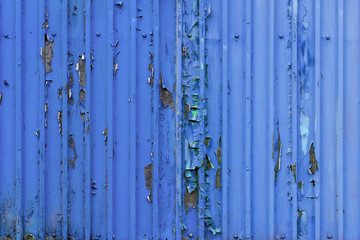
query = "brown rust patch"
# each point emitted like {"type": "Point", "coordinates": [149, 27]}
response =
{"type": "Point", "coordinates": [165, 96]}
{"type": "Point", "coordinates": [148, 170]}
{"type": "Point", "coordinates": [190, 199]}
{"type": "Point", "coordinates": [314, 166]}
{"type": "Point", "coordinates": [47, 54]}
{"type": "Point", "coordinates": [209, 165]}
{"type": "Point", "coordinates": [218, 179]}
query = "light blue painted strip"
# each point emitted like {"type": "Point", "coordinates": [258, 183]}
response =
{"type": "Point", "coordinates": [248, 124]}
{"type": "Point", "coordinates": [270, 163]}
{"type": "Point", "coordinates": [87, 161]}
{"type": "Point", "coordinates": [42, 119]}
{"type": "Point", "coordinates": [110, 117]}
{"type": "Point", "coordinates": [340, 130]}
{"type": "Point", "coordinates": [64, 160]}
{"type": "Point", "coordinates": [132, 128]}
{"type": "Point", "coordinates": [224, 147]}
{"type": "Point", "coordinates": [18, 117]}
{"type": "Point", "coordinates": [294, 119]}
{"type": "Point", "coordinates": [155, 120]}
{"type": "Point", "coordinates": [317, 115]}
{"type": "Point", "coordinates": [179, 122]}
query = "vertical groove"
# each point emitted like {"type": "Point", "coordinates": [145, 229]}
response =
{"type": "Point", "coordinates": [340, 157]}
{"type": "Point", "coordinates": [18, 117]}
{"type": "Point", "coordinates": [110, 117]}
{"type": "Point", "coordinates": [248, 57]}
{"type": "Point", "coordinates": [64, 177]}
{"type": "Point", "coordinates": [42, 122]}
{"type": "Point", "coordinates": [201, 172]}
{"type": "Point", "coordinates": [178, 116]}
{"type": "Point", "coordinates": [155, 120]}
{"type": "Point", "coordinates": [132, 129]}
{"type": "Point", "coordinates": [87, 160]}
{"type": "Point", "coordinates": [294, 118]}
{"type": "Point", "coordinates": [317, 115]}
{"type": "Point", "coordinates": [271, 180]}
{"type": "Point", "coordinates": [224, 150]}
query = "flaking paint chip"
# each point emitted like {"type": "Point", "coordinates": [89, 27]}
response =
{"type": "Point", "coordinates": [148, 171]}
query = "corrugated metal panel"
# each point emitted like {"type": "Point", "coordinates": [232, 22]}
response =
{"type": "Point", "coordinates": [179, 119]}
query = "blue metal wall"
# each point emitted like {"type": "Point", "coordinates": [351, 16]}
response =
{"type": "Point", "coordinates": [179, 119]}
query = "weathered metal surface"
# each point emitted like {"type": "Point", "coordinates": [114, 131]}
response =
{"type": "Point", "coordinates": [186, 119]}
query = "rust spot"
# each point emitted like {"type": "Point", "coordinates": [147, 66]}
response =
{"type": "Point", "coordinates": [278, 160]}
{"type": "Point", "coordinates": [47, 54]}
{"type": "Point", "coordinates": [187, 109]}
{"type": "Point", "coordinates": [29, 237]}
{"type": "Point", "coordinates": [300, 184]}
{"type": "Point", "coordinates": [80, 67]}
{"type": "Point", "coordinates": [209, 165]}
{"type": "Point", "coordinates": [148, 179]}
{"type": "Point", "coordinates": [59, 117]}
{"type": "Point", "coordinates": [81, 95]}
{"type": "Point", "coordinates": [293, 169]}
{"type": "Point", "coordinates": [105, 133]}
{"type": "Point", "coordinates": [165, 96]}
{"type": "Point", "coordinates": [45, 24]}
{"type": "Point", "coordinates": [190, 199]}
{"type": "Point", "coordinates": [207, 141]}
{"type": "Point", "coordinates": [218, 152]}
{"type": "Point", "coordinates": [313, 182]}
{"type": "Point", "coordinates": [72, 145]}
{"type": "Point", "coordinates": [151, 78]}
{"type": "Point", "coordinates": [218, 179]}
{"type": "Point", "coordinates": [314, 166]}
{"type": "Point", "coordinates": [60, 94]}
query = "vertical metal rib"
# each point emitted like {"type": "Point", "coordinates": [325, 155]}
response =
{"type": "Point", "coordinates": [155, 119]}
{"type": "Point", "coordinates": [110, 117]}
{"type": "Point", "coordinates": [18, 117]}
{"type": "Point", "coordinates": [42, 122]}
{"type": "Point", "coordinates": [270, 164]}
{"type": "Point", "coordinates": [87, 160]}
{"type": "Point", "coordinates": [294, 124]}
{"type": "Point", "coordinates": [64, 170]}
{"type": "Point", "coordinates": [248, 68]}
{"type": "Point", "coordinates": [340, 130]}
{"type": "Point", "coordinates": [178, 116]}
{"type": "Point", "coordinates": [132, 129]}
{"type": "Point", "coordinates": [224, 147]}
{"type": "Point", "coordinates": [317, 115]}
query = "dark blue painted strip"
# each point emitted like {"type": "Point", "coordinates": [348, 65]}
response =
{"type": "Point", "coordinates": [110, 119]}
{"type": "Point", "coordinates": [155, 120]}
{"type": "Point", "coordinates": [18, 118]}
{"type": "Point", "coordinates": [42, 121]}
{"type": "Point", "coordinates": [87, 163]}
{"type": "Point", "coordinates": [179, 121]}
{"type": "Point", "coordinates": [64, 147]}
{"type": "Point", "coordinates": [132, 128]}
